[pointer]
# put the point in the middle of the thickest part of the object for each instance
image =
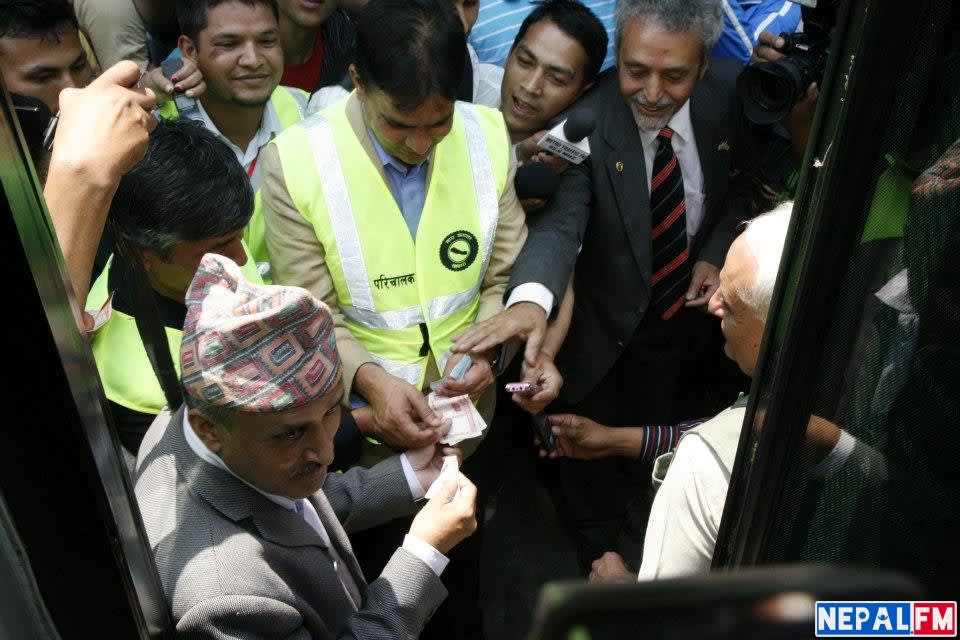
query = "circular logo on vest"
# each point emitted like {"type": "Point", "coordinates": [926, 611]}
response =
{"type": "Point", "coordinates": [458, 250]}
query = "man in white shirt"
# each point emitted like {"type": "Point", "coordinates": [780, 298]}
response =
{"type": "Point", "coordinates": [247, 527]}
{"type": "Point", "coordinates": [236, 46]}
{"type": "Point", "coordinates": [681, 533]}
{"type": "Point", "coordinates": [654, 209]}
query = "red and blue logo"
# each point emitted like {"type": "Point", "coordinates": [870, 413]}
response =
{"type": "Point", "coordinates": [912, 619]}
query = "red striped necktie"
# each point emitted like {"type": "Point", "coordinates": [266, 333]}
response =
{"type": "Point", "coordinates": [668, 220]}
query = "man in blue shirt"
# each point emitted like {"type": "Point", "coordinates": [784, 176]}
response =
{"type": "Point", "coordinates": [499, 21]}
{"type": "Point", "coordinates": [745, 20]}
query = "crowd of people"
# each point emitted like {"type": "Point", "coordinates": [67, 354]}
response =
{"type": "Point", "coordinates": [288, 222]}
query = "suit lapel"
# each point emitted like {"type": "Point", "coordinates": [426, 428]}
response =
{"type": "Point", "coordinates": [712, 139]}
{"type": "Point", "coordinates": [626, 168]}
{"type": "Point", "coordinates": [340, 542]}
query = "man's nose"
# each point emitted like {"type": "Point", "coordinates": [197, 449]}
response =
{"type": "Point", "coordinates": [319, 449]}
{"type": "Point", "coordinates": [653, 90]}
{"type": "Point", "coordinates": [419, 143]}
{"type": "Point", "coordinates": [249, 56]}
{"type": "Point", "coordinates": [533, 83]}
{"type": "Point", "coordinates": [236, 252]}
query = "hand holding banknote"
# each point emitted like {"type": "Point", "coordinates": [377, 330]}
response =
{"type": "Point", "coordinates": [465, 421]}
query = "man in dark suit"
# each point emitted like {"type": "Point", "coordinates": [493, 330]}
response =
{"type": "Point", "coordinates": [673, 170]}
{"type": "Point", "coordinates": [247, 528]}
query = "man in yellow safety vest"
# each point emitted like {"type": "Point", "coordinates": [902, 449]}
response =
{"type": "Point", "coordinates": [396, 207]}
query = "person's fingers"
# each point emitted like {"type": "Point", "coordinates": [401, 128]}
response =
{"type": "Point", "coordinates": [556, 163]}
{"type": "Point", "coordinates": [534, 342]}
{"type": "Point", "coordinates": [415, 437]}
{"type": "Point", "coordinates": [452, 451]}
{"type": "Point", "coordinates": [465, 341]}
{"type": "Point", "coordinates": [770, 39]}
{"type": "Point", "coordinates": [468, 490]}
{"type": "Point", "coordinates": [419, 405]}
{"type": "Point", "coordinates": [696, 283]}
{"type": "Point", "coordinates": [189, 81]}
{"type": "Point", "coordinates": [562, 420]}
{"type": "Point", "coordinates": [477, 378]}
{"type": "Point", "coordinates": [148, 121]}
{"type": "Point", "coordinates": [146, 99]}
{"type": "Point", "coordinates": [199, 89]}
{"type": "Point", "coordinates": [701, 300]}
{"type": "Point", "coordinates": [125, 73]}
{"type": "Point", "coordinates": [448, 487]}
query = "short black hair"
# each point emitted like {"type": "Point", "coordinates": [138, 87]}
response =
{"type": "Point", "coordinates": [577, 21]}
{"type": "Point", "coordinates": [411, 50]}
{"type": "Point", "coordinates": [188, 187]}
{"type": "Point", "coordinates": [35, 18]}
{"type": "Point", "coordinates": [192, 14]}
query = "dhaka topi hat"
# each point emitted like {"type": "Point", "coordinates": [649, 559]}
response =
{"type": "Point", "coordinates": [254, 348]}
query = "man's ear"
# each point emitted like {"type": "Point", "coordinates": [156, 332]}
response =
{"type": "Point", "coordinates": [188, 49]}
{"type": "Point", "coordinates": [357, 82]}
{"type": "Point", "coordinates": [206, 431]}
{"type": "Point", "coordinates": [150, 259]}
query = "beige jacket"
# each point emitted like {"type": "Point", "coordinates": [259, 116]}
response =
{"type": "Point", "coordinates": [297, 257]}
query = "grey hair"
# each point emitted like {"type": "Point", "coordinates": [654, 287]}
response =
{"type": "Point", "coordinates": [765, 237]}
{"type": "Point", "coordinates": [676, 16]}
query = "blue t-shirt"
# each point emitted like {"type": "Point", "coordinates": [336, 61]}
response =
{"type": "Point", "coordinates": [499, 21]}
{"type": "Point", "coordinates": [745, 20]}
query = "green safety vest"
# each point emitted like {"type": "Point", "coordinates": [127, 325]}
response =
{"type": "Point", "coordinates": [402, 299]}
{"type": "Point", "coordinates": [125, 370]}
{"type": "Point", "coordinates": [289, 103]}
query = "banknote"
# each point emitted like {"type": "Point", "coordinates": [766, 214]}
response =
{"type": "Point", "coordinates": [465, 421]}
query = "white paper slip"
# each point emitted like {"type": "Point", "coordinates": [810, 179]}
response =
{"type": "Point", "coordinates": [450, 468]}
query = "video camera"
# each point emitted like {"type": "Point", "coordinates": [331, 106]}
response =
{"type": "Point", "coordinates": [770, 89]}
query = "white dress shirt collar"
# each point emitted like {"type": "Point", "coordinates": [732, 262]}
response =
{"type": "Point", "coordinates": [270, 127]}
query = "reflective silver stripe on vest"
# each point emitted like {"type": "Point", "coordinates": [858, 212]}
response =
{"type": "Point", "coordinates": [300, 98]}
{"type": "Point", "coordinates": [442, 306]}
{"type": "Point", "coordinates": [488, 204]}
{"type": "Point", "coordinates": [340, 212]}
{"type": "Point", "coordinates": [409, 372]}
{"type": "Point", "coordinates": [399, 319]}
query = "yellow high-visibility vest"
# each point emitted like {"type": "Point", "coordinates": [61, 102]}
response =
{"type": "Point", "coordinates": [125, 370]}
{"type": "Point", "coordinates": [403, 299]}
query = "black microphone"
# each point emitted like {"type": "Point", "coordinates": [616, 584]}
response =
{"type": "Point", "coordinates": [535, 180]}
{"type": "Point", "coordinates": [579, 124]}
{"type": "Point", "coordinates": [569, 138]}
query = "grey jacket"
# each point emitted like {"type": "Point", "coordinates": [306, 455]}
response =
{"type": "Point", "coordinates": [236, 565]}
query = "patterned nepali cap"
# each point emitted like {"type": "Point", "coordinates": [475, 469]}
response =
{"type": "Point", "coordinates": [255, 348]}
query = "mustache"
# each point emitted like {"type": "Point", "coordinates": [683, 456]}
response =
{"type": "Point", "coordinates": [307, 469]}
{"type": "Point", "coordinates": [659, 104]}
